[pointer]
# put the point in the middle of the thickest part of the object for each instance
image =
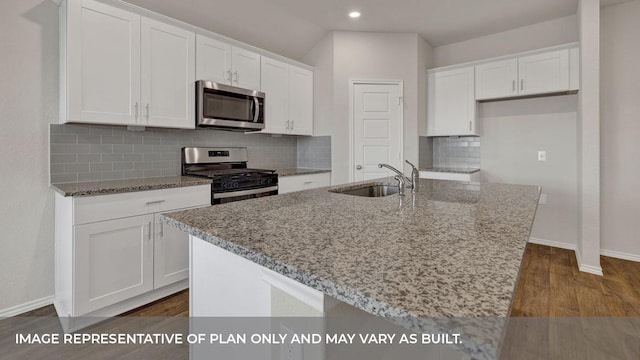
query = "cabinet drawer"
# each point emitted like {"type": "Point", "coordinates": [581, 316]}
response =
{"type": "Point", "coordinates": [289, 184]}
{"type": "Point", "coordinates": [106, 207]}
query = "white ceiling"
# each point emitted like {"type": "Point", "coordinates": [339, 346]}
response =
{"type": "Point", "coordinates": [292, 27]}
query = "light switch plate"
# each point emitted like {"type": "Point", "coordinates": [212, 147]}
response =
{"type": "Point", "coordinates": [542, 156]}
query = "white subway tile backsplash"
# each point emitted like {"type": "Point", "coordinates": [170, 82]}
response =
{"type": "Point", "coordinates": [455, 152]}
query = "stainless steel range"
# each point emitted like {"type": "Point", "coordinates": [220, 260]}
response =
{"type": "Point", "coordinates": [227, 167]}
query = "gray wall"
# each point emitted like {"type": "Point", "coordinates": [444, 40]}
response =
{"type": "Point", "coordinates": [513, 132]}
{"type": "Point", "coordinates": [620, 126]}
{"type": "Point", "coordinates": [28, 103]}
{"type": "Point", "coordinates": [366, 55]}
{"type": "Point", "coordinates": [93, 153]}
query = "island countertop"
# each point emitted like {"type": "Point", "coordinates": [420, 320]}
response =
{"type": "Point", "coordinates": [449, 250]}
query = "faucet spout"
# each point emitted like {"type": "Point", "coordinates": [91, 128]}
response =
{"type": "Point", "coordinates": [400, 177]}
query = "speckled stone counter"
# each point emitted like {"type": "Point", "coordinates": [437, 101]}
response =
{"type": "Point", "coordinates": [452, 170]}
{"type": "Point", "coordinates": [129, 185]}
{"type": "Point", "coordinates": [451, 250]}
{"type": "Point", "coordinates": [300, 171]}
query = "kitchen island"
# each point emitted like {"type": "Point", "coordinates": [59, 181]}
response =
{"type": "Point", "coordinates": [451, 250]}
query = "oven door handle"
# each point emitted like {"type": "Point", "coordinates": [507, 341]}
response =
{"type": "Point", "coordinates": [256, 109]}
{"type": "Point", "coordinates": [244, 192]}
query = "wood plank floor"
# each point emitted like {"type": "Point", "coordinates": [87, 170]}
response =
{"type": "Point", "coordinates": [550, 285]}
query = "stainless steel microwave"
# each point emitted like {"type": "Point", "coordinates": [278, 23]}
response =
{"type": "Point", "coordinates": [227, 107]}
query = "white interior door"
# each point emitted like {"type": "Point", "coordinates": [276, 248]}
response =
{"type": "Point", "coordinates": [377, 129]}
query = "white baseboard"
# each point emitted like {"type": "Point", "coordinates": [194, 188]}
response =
{"type": "Point", "coordinates": [28, 306]}
{"type": "Point", "coordinates": [620, 255]}
{"type": "Point", "coordinates": [551, 243]}
{"type": "Point", "coordinates": [595, 270]}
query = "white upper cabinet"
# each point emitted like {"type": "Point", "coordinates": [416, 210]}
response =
{"type": "Point", "coordinates": [245, 69]}
{"type": "Point", "coordinates": [288, 98]}
{"type": "Point", "coordinates": [168, 75]}
{"type": "Point", "coordinates": [275, 85]}
{"type": "Point", "coordinates": [213, 60]}
{"type": "Point", "coordinates": [100, 70]}
{"type": "Point", "coordinates": [544, 73]}
{"type": "Point", "coordinates": [119, 68]}
{"type": "Point", "coordinates": [300, 101]}
{"type": "Point", "coordinates": [497, 79]}
{"type": "Point", "coordinates": [225, 64]}
{"type": "Point", "coordinates": [451, 103]}
{"type": "Point", "coordinates": [540, 73]}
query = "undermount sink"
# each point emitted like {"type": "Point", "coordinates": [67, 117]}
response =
{"type": "Point", "coordinates": [373, 190]}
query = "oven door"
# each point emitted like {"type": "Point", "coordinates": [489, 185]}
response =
{"type": "Point", "coordinates": [231, 196]}
{"type": "Point", "coordinates": [223, 106]}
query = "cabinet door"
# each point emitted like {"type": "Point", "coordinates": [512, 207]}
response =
{"type": "Point", "coordinates": [171, 254]}
{"type": "Point", "coordinates": [103, 64]}
{"type": "Point", "coordinates": [275, 85]}
{"type": "Point", "coordinates": [168, 75]}
{"type": "Point", "coordinates": [451, 103]}
{"type": "Point", "coordinates": [300, 101]}
{"type": "Point", "coordinates": [113, 261]}
{"type": "Point", "coordinates": [213, 60]}
{"type": "Point", "coordinates": [497, 79]}
{"type": "Point", "coordinates": [544, 73]}
{"type": "Point", "coordinates": [246, 69]}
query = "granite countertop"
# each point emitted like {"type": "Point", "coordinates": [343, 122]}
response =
{"type": "Point", "coordinates": [300, 171]}
{"type": "Point", "coordinates": [129, 185]}
{"type": "Point", "coordinates": [452, 170]}
{"type": "Point", "coordinates": [450, 251]}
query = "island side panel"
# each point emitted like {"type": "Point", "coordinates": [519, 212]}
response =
{"type": "Point", "coordinates": [224, 284]}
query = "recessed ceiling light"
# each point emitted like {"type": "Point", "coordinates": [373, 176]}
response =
{"type": "Point", "coordinates": [354, 14]}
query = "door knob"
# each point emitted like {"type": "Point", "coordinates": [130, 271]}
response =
{"type": "Point", "coordinates": [358, 167]}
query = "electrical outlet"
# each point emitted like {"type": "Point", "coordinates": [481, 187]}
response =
{"type": "Point", "coordinates": [542, 156]}
{"type": "Point", "coordinates": [290, 351]}
{"type": "Point", "coordinates": [543, 199]}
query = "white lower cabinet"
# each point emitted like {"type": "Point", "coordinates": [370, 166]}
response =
{"type": "Point", "coordinates": [293, 183]}
{"type": "Point", "coordinates": [111, 259]}
{"type": "Point", "coordinates": [170, 255]}
{"type": "Point", "coordinates": [116, 258]}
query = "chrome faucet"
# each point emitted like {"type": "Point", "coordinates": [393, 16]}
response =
{"type": "Point", "coordinates": [402, 180]}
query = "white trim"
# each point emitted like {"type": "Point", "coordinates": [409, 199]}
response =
{"type": "Point", "coordinates": [596, 270]}
{"type": "Point", "coordinates": [352, 83]}
{"type": "Point", "coordinates": [552, 243]}
{"type": "Point", "coordinates": [620, 255]}
{"type": "Point", "coordinates": [26, 307]}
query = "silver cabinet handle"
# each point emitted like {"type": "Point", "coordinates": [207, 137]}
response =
{"type": "Point", "coordinates": [229, 76]}
{"type": "Point", "coordinates": [358, 167]}
{"type": "Point", "coordinates": [521, 84]}
{"type": "Point", "coordinates": [308, 182]}
{"type": "Point", "coordinates": [287, 124]}
{"type": "Point", "coordinates": [135, 110]}
{"type": "Point", "coordinates": [155, 202]}
{"type": "Point", "coordinates": [161, 229]}
{"type": "Point", "coordinates": [149, 231]}
{"type": "Point", "coordinates": [147, 110]}
{"type": "Point", "coordinates": [291, 124]}
{"type": "Point", "coordinates": [235, 74]}
{"type": "Point", "coordinates": [469, 125]}
{"type": "Point", "coordinates": [513, 86]}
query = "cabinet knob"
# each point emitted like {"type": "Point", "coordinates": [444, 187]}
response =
{"type": "Point", "coordinates": [358, 167]}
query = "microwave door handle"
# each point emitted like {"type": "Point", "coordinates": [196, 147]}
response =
{"type": "Point", "coordinates": [256, 109]}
